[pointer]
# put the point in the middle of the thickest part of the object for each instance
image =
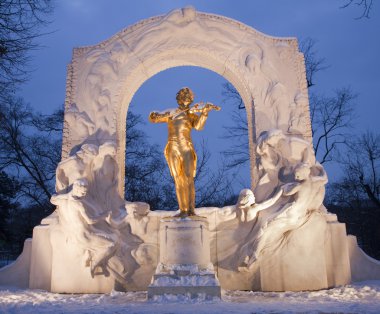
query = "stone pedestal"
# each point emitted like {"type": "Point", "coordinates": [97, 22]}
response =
{"type": "Point", "coordinates": [314, 257]}
{"type": "Point", "coordinates": [69, 273]}
{"type": "Point", "coordinates": [41, 259]}
{"type": "Point", "coordinates": [185, 268]}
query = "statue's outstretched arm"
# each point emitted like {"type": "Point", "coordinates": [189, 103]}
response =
{"type": "Point", "coordinates": [291, 188]}
{"type": "Point", "coordinates": [57, 199]}
{"type": "Point", "coordinates": [157, 117]}
{"type": "Point", "coordinates": [269, 202]}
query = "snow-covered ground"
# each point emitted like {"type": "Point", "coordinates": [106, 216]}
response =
{"type": "Point", "coordinates": [361, 297]}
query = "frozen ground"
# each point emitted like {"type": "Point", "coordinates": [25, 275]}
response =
{"type": "Point", "coordinates": [361, 297]}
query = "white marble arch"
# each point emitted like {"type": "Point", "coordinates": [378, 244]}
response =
{"type": "Point", "coordinates": [268, 72]}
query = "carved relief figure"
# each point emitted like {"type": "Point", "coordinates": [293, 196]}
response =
{"type": "Point", "coordinates": [247, 206]}
{"type": "Point", "coordinates": [104, 172]}
{"type": "Point", "coordinates": [74, 167]}
{"type": "Point", "coordinates": [306, 196]}
{"type": "Point", "coordinates": [76, 221]}
{"type": "Point", "coordinates": [279, 155]}
{"type": "Point", "coordinates": [79, 123]}
{"type": "Point", "coordinates": [179, 151]}
{"type": "Point", "coordinates": [292, 186]}
{"type": "Point", "coordinates": [269, 92]}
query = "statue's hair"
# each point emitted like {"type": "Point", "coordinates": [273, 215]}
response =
{"type": "Point", "coordinates": [303, 168]}
{"type": "Point", "coordinates": [81, 182]}
{"type": "Point", "coordinates": [185, 93]}
{"type": "Point", "coordinates": [90, 149]}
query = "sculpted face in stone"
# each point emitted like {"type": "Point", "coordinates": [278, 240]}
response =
{"type": "Point", "coordinates": [80, 188]}
{"type": "Point", "coordinates": [302, 172]}
{"type": "Point", "coordinates": [107, 149]}
{"type": "Point", "coordinates": [87, 152]}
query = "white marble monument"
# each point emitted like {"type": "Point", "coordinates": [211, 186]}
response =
{"type": "Point", "coordinates": [278, 237]}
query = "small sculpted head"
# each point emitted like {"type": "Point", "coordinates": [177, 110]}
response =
{"type": "Point", "coordinates": [184, 97]}
{"type": "Point", "coordinates": [246, 198]}
{"type": "Point", "coordinates": [302, 172]}
{"type": "Point", "coordinates": [87, 151]}
{"type": "Point", "coordinates": [80, 188]}
{"type": "Point", "coordinates": [108, 148]}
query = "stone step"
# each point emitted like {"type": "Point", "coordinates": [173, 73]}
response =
{"type": "Point", "coordinates": [179, 276]}
{"type": "Point", "coordinates": [193, 292]}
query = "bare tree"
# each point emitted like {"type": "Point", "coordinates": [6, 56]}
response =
{"type": "Point", "coordinates": [231, 94]}
{"type": "Point", "coordinates": [213, 186]}
{"type": "Point", "coordinates": [20, 23]}
{"type": "Point", "coordinates": [144, 166]}
{"type": "Point", "coordinates": [8, 191]}
{"type": "Point", "coordinates": [237, 154]}
{"type": "Point", "coordinates": [364, 5]}
{"type": "Point", "coordinates": [361, 179]}
{"type": "Point", "coordinates": [27, 152]}
{"type": "Point", "coordinates": [362, 164]}
{"type": "Point", "coordinates": [313, 63]}
{"type": "Point", "coordinates": [331, 118]}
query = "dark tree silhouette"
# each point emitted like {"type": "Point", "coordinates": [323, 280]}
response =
{"type": "Point", "coordinates": [20, 25]}
{"type": "Point", "coordinates": [29, 150]}
{"type": "Point", "coordinates": [331, 119]}
{"type": "Point", "coordinates": [364, 5]}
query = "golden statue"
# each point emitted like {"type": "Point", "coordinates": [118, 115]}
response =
{"type": "Point", "coordinates": [179, 151]}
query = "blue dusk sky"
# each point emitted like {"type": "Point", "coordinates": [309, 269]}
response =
{"type": "Point", "coordinates": [350, 46]}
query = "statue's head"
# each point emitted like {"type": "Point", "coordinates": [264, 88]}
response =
{"type": "Point", "coordinates": [108, 148]}
{"type": "Point", "coordinates": [185, 97]}
{"type": "Point", "coordinates": [246, 199]}
{"type": "Point", "coordinates": [87, 151]}
{"type": "Point", "coordinates": [302, 172]}
{"type": "Point", "coordinates": [80, 187]}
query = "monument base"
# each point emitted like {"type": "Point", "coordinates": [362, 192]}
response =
{"type": "Point", "coordinates": [185, 268]}
{"type": "Point", "coordinates": [315, 257]}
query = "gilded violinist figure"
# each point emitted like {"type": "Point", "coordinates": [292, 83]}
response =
{"type": "Point", "coordinates": [179, 151]}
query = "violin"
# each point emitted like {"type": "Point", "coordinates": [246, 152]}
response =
{"type": "Point", "coordinates": [198, 107]}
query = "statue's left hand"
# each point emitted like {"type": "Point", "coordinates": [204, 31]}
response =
{"type": "Point", "coordinates": [208, 107]}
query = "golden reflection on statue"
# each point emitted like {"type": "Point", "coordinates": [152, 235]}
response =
{"type": "Point", "coordinates": [179, 151]}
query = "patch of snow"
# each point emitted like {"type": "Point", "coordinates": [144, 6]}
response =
{"type": "Point", "coordinates": [171, 298]}
{"type": "Point", "coordinates": [190, 268]}
{"type": "Point", "coordinates": [190, 280]}
{"type": "Point", "coordinates": [363, 297]}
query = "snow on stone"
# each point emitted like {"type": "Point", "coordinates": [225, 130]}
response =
{"type": "Point", "coordinates": [361, 297]}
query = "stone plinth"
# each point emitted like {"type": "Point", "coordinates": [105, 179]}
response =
{"type": "Point", "coordinates": [41, 259]}
{"type": "Point", "coordinates": [184, 241]}
{"type": "Point", "coordinates": [185, 268]}
{"type": "Point", "coordinates": [69, 272]}
{"type": "Point", "coordinates": [315, 257]}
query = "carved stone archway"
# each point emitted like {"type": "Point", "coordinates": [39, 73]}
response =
{"type": "Point", "coordinates": [268, 73]}
{"type": "Point", "coordinates": [288, 242]}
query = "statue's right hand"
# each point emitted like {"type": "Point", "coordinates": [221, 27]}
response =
{"type": "Point", "coordinates": [153, 116]}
